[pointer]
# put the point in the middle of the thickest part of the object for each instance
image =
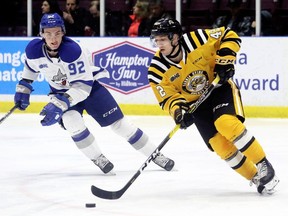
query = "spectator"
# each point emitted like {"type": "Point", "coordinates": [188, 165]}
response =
{"type": "Point", "coordinates": [157, 11]}
{"type": "Point", "coordinates": [267, 27]}
{"type": "Point", "coordinates": [76, 18]}
{"type": "Point", "coordinates": [93, 28]}
{"type": "Point", "coordinates": [48, 6]}
{"type": "Point", "coordinates": [51, 6]}
{"type": "Point", "coordinates": [113, 21]}
{"type": "Point", "coordinates": [138, 24]}
{"type": "Point", "coordinates": [236, 19]}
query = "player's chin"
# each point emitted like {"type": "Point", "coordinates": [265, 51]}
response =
{"type": "Point", "coordinates": [163, 52]}
{"type": "Point", "coordinates": [54, 47]}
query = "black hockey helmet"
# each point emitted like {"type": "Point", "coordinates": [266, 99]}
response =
{"type": "Point", "coordinates": [166, 26]}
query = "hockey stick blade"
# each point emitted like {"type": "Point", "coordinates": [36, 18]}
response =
{"type": "Point", "coordinates": [112, 195]}
{"type": "Point", "coordinates": [8, 113]}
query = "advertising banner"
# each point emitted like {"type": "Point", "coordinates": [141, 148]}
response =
{"type": "Point", "coordinates": [12, 52]}
{"type": "Point", "coordinates": [261, 69]}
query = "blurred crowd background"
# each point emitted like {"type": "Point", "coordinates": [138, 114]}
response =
{"type": "Point", "coordinates": [135, 18]}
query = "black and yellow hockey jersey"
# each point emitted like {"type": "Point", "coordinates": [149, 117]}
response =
{"type": "Point", "coordinates": [184, 82]}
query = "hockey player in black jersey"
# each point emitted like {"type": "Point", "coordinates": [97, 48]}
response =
{"type": "Point", "coordinates": [182, 68]}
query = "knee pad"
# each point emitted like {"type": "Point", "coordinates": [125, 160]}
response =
{"type": "Point", "coordinates": [124, 128]}
{"type": "Point", "coordinates": [135, 136]}
{"type": "Point", "coordinates": [73, 122]}
{"type": "Point", "coordinates": [223, 147]}
{"type": "Point", "coordinates": [229, 126]}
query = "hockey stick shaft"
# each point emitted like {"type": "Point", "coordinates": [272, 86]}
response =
{"type": "Point", "coordinates": [104, 194]}
{"type": "Point", "coordinates": [112, 195]}
{"type": "Point", "coordinates": [9, 113]}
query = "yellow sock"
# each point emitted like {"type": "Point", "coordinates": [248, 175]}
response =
{"type": "Point", "coordinates": [235, 159]}
{"type": "Point", "coordinates": [234, 130]}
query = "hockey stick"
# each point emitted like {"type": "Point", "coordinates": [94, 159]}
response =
{"type": "Point", "coordinates": [9, 113]}
{"type": "Point", "coordinates": [112, 195]}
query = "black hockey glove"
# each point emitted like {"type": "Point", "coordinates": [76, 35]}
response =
{"type": "Point", "coordinates": [182, 117]}
{"type": "Point", "coordinates": [224, 64]}
{"type": "Point", "coordinates": [225, 72]}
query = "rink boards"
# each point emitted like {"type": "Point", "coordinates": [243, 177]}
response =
{"type": "Point", "coordinates": [261, 74]}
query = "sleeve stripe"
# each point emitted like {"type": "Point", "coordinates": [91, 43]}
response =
{"type": "Point", "coordinates": [153, 77]}
{"type": "Point", "coordinates": [159, 65]}
{"type": "Point", "coordinates": [189, 42]}
{"type": "Point", "coordinates": [185, 45]}
{"type": "Point", "coordinates": [236, 40]}
{"type": "Point", "coordinates": [226, 32]}
{"type": "Point", "coordinates": [163, 103]}
{"type": "Point", "coordinates": [175, 101]}
{"type": "Point", "coordinates": [201, 36]}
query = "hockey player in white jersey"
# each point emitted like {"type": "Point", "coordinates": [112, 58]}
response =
{"type": "Point", "coordinates": [74, 88]}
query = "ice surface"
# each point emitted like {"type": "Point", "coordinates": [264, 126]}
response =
{"type": "Point", "coordinates": [42, 173]}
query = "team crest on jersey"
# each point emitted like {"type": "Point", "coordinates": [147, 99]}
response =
{"type": "Point", "coordinates": [196, 82]}
{"type": "Point", "coordinates": [60, 79]}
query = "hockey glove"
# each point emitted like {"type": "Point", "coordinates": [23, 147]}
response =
{"type": "Point", "coordinates": [53, 111]}
{"type": "Point", "coordinates": [182, 117]}
{"type": "Point", "coordinates": [224, 64]}
{"type": "Point", "coordinates": [22, 95]}
{"type": "Point", "coordinates": [225, 72]}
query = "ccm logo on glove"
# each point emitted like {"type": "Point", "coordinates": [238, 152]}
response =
{"type": "Point", "coordinates": [224, 61]}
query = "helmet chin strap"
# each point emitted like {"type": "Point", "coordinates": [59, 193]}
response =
{"type": "Point", "coordinates": [174, 47]}
{"type": "Point", "coordinates": [177, 53]}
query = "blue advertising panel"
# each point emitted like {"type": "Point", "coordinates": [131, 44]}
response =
{"type": "Point", "coordinates": [12, 53]}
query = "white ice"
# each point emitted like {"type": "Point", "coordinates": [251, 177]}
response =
{"type": "Point", "coordinates": [42, 173]}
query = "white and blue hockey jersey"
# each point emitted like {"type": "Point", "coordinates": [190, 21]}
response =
{"type": "Point", "coordinates": [72, 71]}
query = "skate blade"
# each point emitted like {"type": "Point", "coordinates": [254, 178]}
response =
{"type": "Point", "coordinates": [111, 173]}
{"type": "Point", "coordinates": [270, 186]}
